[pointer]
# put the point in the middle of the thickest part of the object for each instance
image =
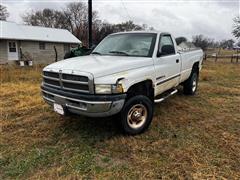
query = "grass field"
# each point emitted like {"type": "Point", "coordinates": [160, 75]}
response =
{"type": "Point", "coordinates": [190, 136]}
{"type": "Point", "coordinates": [222, 51]}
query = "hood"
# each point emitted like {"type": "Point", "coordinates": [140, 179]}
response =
{"type": "Point", "coordinates": [100, 66]}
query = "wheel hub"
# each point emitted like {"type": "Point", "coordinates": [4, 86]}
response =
{"type": "Point", "coordinates": [137, 116]}
{"type": "Point", "coordinates": [194, 85]}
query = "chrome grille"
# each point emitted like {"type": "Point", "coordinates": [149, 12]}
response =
{"type": "Point", "coordinates": [74, 77]}
{"type": "Point", "coordinates": [69, 82]}
{"type": "Point", "coordinates": [52, 82]}
{"type": "Point", "coordinates": [51, 74]}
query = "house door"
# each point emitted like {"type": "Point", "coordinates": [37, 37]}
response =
{"type": "Point", "coordinates": [12, 50]}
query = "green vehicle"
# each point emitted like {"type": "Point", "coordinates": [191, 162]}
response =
{"type": "Point", "coordinates": [78, 51]}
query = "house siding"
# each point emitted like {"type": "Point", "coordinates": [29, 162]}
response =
{"type": "Point", "coordinates": [32, 49]}
{"type": "Point", "coordinates": [40, 56]}
{"type": "Point", "coordinates": [3, 51]}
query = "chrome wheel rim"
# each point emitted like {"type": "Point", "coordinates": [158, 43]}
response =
{"type": "Point", "coordinates": [137, 116]}
{"type": "Point", "coordinates": [194, 85]}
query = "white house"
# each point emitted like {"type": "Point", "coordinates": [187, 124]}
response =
{"type": "Point", "coordinates": [41, 44]}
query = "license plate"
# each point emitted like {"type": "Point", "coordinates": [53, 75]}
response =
{"type": "Point", "coordinates": [58, 108]}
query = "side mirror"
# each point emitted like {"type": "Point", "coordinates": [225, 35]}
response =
{"type": "Point", "coordinates": [159, 54]}
{"type": "Point", "coordinates": [166, 50]}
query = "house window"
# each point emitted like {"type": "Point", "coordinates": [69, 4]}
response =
{"type": "Point", "coordinates": [42, 45]}
{"type": "Point", "coordinates": [12, 47]}
{"type": "Point", "coordinates": [66, 48]}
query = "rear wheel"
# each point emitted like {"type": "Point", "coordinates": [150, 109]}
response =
{"type": "Point", "coordinates": [137, 114]}
{"type": "Point", "coordinates": [190, 86]}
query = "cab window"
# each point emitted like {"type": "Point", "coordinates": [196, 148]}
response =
{"type": "Point", "coordinates": [166, 46]}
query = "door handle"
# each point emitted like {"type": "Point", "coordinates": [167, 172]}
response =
{"type": "Point", "coordinates": [177, 60]}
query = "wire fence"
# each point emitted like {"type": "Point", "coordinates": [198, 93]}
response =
{"type": "Point", "coordinates": [222, 55]}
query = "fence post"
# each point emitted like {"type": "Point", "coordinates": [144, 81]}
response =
{"type": "Point", "coordinates": [232, 58]}
{"type": "Point", "coordinates": [216, 57]}
{"type": "Point", "coordinates": [205, 56]}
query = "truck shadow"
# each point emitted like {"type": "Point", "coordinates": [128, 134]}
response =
{"type": "Point", "coordinates": [96, 129]}
{"type": "Point", "coordinates": [101, 128]}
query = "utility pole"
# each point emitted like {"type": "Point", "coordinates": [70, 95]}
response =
{"type": "Point", "coordinates": [89, 23]}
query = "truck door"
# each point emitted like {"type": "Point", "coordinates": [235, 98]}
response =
{"type": "Point", "coordinates": [167, 65]}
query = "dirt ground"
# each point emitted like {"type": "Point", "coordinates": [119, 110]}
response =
{"type": "Point", "coordinates": [190, 137]}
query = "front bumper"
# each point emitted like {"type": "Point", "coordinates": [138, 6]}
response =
{"type": "Point", "coordinates": [84, 104]}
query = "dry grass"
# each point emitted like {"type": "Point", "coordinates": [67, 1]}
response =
{"type": "Point", "coordinates": [221, 51]}
{"type": "Point", "coordinates": [190, 137]}
{"type": "Point", "coordinates": [227, 52]}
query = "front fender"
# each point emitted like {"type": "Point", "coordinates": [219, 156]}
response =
{"type": "Point", "coordinates": [129, 78]}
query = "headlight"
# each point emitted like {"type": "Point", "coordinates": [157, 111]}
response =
{"type": "Point", "coordinates": [108, 88]}
{"type": "Point", "coordinates": [103, 88]}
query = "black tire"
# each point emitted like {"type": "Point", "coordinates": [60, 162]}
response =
{"type": "Point", "coordinates": [137, 102]}
{"type": "Point", "coordinates": [191, 85]}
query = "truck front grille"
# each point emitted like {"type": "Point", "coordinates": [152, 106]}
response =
{"type": "Point", "coordinates": [51, 74]}
{"type": "Point", "coordinates": [69, 82]}
{"type": "Point", "coordinates": [76, 86]}
{"type": "Point", "coordinates": [75, 78]}
{"type": "Point", "coordinates": [52, 82]}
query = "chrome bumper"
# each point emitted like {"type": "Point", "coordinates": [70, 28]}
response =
{"type": "Point", "coordinates": [103, 107]}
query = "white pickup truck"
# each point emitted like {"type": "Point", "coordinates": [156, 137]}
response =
{"type": "Point", "coordinates": [124, 75]}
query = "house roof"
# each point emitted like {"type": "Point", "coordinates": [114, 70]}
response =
{"type": "Point", "coordinates": [11, 30]}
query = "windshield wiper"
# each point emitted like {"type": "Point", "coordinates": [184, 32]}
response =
{"type": "Point", "coordinates": [119, 52]}
{"type": "Point", "coordinates": [95, 52]}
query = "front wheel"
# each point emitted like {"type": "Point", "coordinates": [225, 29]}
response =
{"type": "Point", "coordinates": [137, 114]}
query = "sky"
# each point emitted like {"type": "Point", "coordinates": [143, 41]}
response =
{"type": "Point", "coordinates": [212, 18]}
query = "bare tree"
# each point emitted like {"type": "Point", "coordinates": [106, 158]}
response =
{"type": "Point", "coordinates": [227, 43]}
{"type": "Point", "coordinates": [74, 17]}
{"type": "Point", "coordinates": [103, 29]}
{"type": "Point", "coordinates": [76, 14]}
{"type": "Point", "coordinates": [204, 42]}
{"type": "Point", "coordinates": [46, 18]}
{"type": "Point", "coordinates": [181, 39]}
{"type": "Point", "coordinates": [128, 26]}
{"type": "Point", "coordinates": [3, 13]}
{"type": "Point", "coordinates": [236, 27]}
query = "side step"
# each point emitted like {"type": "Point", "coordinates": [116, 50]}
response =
{"type": "Point", "coordinates": [174, 91]}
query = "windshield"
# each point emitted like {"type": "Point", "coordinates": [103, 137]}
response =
{"type": "Point", "coordinates": [127, 44]}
